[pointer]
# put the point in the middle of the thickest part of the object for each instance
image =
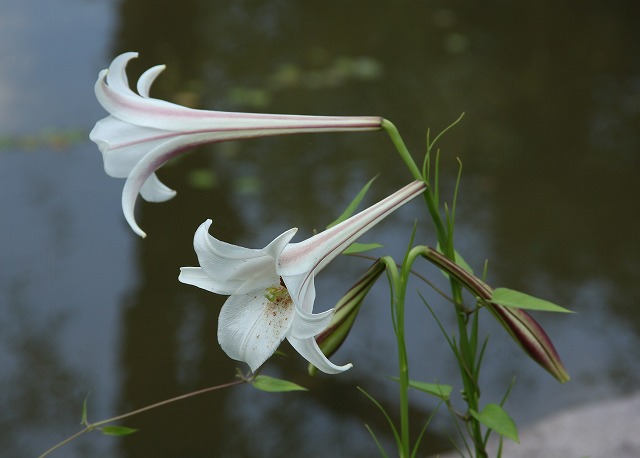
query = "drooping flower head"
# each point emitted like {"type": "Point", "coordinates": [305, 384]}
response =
{"type": "Point", "coordinates": [272, 290]}
{"type": "Point", "coordinates": [141, 133]}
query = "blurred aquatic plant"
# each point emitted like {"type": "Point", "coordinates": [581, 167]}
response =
{"type": "Point", "coordinates": [334, 73]}
{"type": "Point", "coordinates": [55, 139]}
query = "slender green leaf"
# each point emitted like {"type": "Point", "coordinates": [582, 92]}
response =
{"type": "Point", "coordinates": [351, 208]}
{"type": "Point", "coordinates": [414, 452]}
{"type": "Point", "coordinates": [83, 420]}
{"type": "Point", "coordinates": [511, 298]}
{"type": "Point", "coordinates": [438, 322]}
{"type": "Point", "coordinates": [117, 430]}
{"type": "Point", "coordinates": [384, 412]}
{"type": "Point", "coordinates": [496, 418]}
{"type": "Point", "coordinates": [430, 145]}
{"type": "Point", "coordinates": [381, 449]}
{"type": "Point", "coordinates": [361, 247]}
{"type": "Point", "coordinates": [435, 389]}
{"type": "Point", "coordinates": [455, 196]}
{"type": "Point", "coordinates": [508, 392]}
{"type": "Point", "coordinates": [275, 385]}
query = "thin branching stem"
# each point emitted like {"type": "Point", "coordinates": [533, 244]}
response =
{"type": "Point", "coordinates": [91, 426]}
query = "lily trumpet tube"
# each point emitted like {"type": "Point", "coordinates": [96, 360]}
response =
{"type": "Point", "coordinates": [272, 290]}
{"type": "Point", "coordinates": [142, 133]}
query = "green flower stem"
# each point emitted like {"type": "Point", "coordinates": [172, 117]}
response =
{"type": "Point", "coordinates": [403, 361]}
{"type": "Point", "coordinates": [91, 426]}
{"type": "Point", "coordinates": [401, 291]}
{"type": "Point", "coordinates": [467, 352]}
{"type": "Point", "coordinates": [393, 133]}
{"type": "Point", "coordinates": [429, 196]}
{"type": "Point", "coordinates": [398, 286]}
{"type": "Point", "coordinates": [444, 233]}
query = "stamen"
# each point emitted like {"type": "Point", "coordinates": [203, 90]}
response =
{"type": "Point", "coordinates": [278, 294]}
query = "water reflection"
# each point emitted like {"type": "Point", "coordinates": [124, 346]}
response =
{"type": "Point", "coordinates": [550, 151]}
{"type": "Point", "coordinates": [29, 356]}
{"type": "Point", "coordinates": [530, 202]}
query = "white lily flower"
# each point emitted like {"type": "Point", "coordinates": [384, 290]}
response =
{"type": "Point", "coordinates": [142, 133]}
{"type": "Point", "coordinates": [272, 289]}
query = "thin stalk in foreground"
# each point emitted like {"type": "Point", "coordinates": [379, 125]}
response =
{"type": "Point", "coordinates": [91, 426]}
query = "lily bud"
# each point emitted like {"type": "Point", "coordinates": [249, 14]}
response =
{"type": "Point", "coordinates": [517, 322]}
{"type": "Point", "coordinates": [531, 337]}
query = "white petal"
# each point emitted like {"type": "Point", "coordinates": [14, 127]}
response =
{"type": "Point", "coordinates": [251, 328]}
{"type": "Point", "coordinates": [129, 196]}
{"type": "Point", "coordinates": [147, 78]}
{"type": "Point", "coordinates": [103, 132]}
{"type": "Point", "coordinates": [278, 245]}
{"type": "Point", "coordinates": [302, 289]}
{"type": "Point", "coordinates": [197, 277]}
{"type": "Point", "coordinates": [123, 145]}
{"type": "Point", "coordinates": [141, 173]}
{"type": "Point", "coordinates": [307, 325]}
{"type": "Point", "coordinates": [114, 94]}
{"type": "Point", "coordinates": [226, 262]}
{"type": "Point", "coordinates": [309, 349]}
{"type": "Point", "coordinates": [116, 77]}
{"type": "Point", "coordinates": [153, 190]}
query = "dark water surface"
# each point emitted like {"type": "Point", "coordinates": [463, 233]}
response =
{"type": "Point", "coordinates": [550, 149]}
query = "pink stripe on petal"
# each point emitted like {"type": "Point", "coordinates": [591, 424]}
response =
{"type": "Point", "coordinates": [115, 95]}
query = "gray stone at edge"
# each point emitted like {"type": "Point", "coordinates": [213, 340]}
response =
{"type": "Point", "coordinates": [608, 429]}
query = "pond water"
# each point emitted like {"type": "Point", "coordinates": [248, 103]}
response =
{"type": "Point", "coordinates": [550, 150]}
